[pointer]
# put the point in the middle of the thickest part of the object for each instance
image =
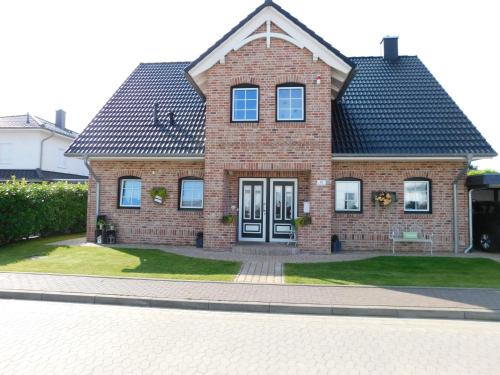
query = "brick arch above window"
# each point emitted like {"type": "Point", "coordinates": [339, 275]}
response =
{"type": "Point", "coordinates": [288, 78]}
{"type": "Point", "coordinates": [243, 80]}
{"type": "Point", "coordinates": [191, 173]}
{"type": "Point", "coordinates": [132, 173]}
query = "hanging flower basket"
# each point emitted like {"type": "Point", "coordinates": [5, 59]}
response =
{"type": "Point", "coordinates": [384, 198]}
{"type": "Point", "coordinates": [159, 194]}
{"type": "Point", "coordinates": [229, 219]}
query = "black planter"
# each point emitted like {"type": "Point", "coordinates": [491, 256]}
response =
{"type": "Point", "coordinates": [199, 240]}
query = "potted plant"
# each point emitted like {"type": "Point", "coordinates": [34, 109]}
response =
{"type": "Point", "coordinates": [301, 221]}
{"type": "Point", "coordinates": [229, 219]}
{"type": "Point", "coordinates": [101, 223]}
{"type": "Point", "coordinates": [159, 194]}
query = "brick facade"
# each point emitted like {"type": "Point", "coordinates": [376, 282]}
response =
{"type": "Point", "coordinates": [152, 223]}
{"type": "Point", "coordinates": [369, 229]}
{"type": "Point", "coordinates": [272, 149]}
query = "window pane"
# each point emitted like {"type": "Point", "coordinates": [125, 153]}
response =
{"type": "Point", "coordinates": [257, 205]}
{"type": "Point", "coordinates": [247, 202]}
{"type": "Point", "coordinates": [192, 194]}
{"type": "Point", "coordinates": [131, 193]}
{"type": "Point", "coordinates": [239, 104]}
{"type": "Point", "coordinates": [290, 103]}
{"type": "Point", "coordinates": [239, 115]}
{"type": "Point", "coordinates": [245, 104]}
{"type": "Point", "coordinates": [347, 196]}
{"type": "Point", "coordinates": [296, 93]}
{"type": "Point", "coordinates": [416, 196]}
{"type": "Point", "coordinates": [239, 94]}
{"type": "Point", "coordinates": [251, 114]}
{"type": "Point", "coordinates": [277, 202]}
{"type": "Point", "coordinates": [288, 202]}
{"type": "Point", "coordinates": [251, 104]}
{"type": "Point", "coordinates": [251, 93]}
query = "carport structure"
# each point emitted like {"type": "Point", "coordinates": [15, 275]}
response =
{"type": "Point", "coordinates": [484, 211]}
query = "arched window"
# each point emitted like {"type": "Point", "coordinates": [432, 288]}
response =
{"type": "Point", "coordinates": [418, 195]}
{"type": "Point", "coordinates": [129, 193]}
{"type": "Point", "coordinates": [348, 195]}
{"type": "Point", "coordinates": [245, 103]}
{"type": "Point", "coordinates": [291, 102]}
{"type": "Point", "coordinates": [191, 193]}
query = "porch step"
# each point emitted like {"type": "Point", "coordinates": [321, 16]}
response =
{"type": "Point", "coordinates": [259, 248]}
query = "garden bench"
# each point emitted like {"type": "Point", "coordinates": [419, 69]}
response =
{"type": "Point", "coordinates": [410, 233]}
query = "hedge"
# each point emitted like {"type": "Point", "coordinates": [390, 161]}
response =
{"type": "Point", "coordinates": [28, 209]}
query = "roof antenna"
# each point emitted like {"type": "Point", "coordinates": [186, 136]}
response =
{"type": "Point", "coordinates": [27, 117]}
{"type": "Point", "coordinates": [155, 114]}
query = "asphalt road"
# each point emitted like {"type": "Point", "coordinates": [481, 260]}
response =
{"type": "Point", "coordinates": [62, 338]}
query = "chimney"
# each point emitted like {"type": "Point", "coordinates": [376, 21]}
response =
{"type": "Point", "coordinates": [390, 44]}
{"type": "Point", "coordinates": [61, 119]}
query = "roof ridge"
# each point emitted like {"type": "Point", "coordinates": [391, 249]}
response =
{"type": "Point", "coordinates": [165, 62]}
{"type": "Point", "coordinates": [373, 57]}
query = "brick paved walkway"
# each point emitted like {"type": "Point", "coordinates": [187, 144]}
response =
{"type": "Point", "coordinates": [268, 272]}
{"type": "Point", "coordinates": [439, 298]}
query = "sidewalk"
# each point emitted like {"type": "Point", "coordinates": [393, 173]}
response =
{"type": "Point", "coordinates": [451, 303]}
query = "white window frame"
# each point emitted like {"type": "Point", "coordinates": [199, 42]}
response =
{"type": "Point", "coordinates": [337, 196]}
{"type": "Point", "coordinates": [428, 196]}
{"type": "Point", "coordinates": [122, 183]}
{"type": "Point", "coordinates": [302, 88]}
{"type": "Point", "coordinates": [202, 194]}
{"type": "Point", "coordinates": [233, 107]}
{"type": "Point", "coordinates": [6, 147]}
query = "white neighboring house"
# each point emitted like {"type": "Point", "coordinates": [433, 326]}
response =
{"type": "Point", "coordinates": [33, 148]}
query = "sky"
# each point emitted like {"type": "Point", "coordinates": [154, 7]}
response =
{"type": "Point", "coordinates": [73, 55]}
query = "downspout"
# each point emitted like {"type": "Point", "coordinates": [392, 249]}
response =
{"type": "Point", "coordinates": [471, 239]}
{"type": "Point", "coordinates": [460, 175]}
{"type": "Point", "coordinates": [97, 186]}
{"type": "Point", "coordinates": [41, 150]}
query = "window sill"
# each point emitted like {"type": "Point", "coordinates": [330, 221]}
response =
{"type": "Point", "coordinates": [349, 212]}
{"type": "Point", "coordinates": [418, 212]}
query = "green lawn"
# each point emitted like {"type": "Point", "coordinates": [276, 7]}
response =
{"type": "Point", "coordinates": [110, 261]}
{"type": "Point", "coordinates": [399, 271]}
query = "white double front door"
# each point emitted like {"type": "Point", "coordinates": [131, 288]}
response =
{"type": "Point", "coordinates": [267, 207]}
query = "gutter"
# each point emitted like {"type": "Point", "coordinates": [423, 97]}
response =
{"type": "Point", "coordinates": [471, 239]}
{"type": "Point", "coordinates": [97, 187]}
{"type": "Point", "coordinates": [41, 149]}
{"type": "Point", "coordinates": [460, 175]}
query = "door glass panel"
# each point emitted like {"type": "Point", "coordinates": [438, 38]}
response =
{"type": "Point", "coordinates": [257, 205]}
{"type": "Point", "coordinates": [247, 201]}
{"type": "Point", "coordinates": [288, 202]}
{"type": "Point", "coordinates": [277, 202]}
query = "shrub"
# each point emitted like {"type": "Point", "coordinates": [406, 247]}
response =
{"type": "Point", "coordinates": [28, 209]}
{"type": "Point", "coordinates": [475, 172]}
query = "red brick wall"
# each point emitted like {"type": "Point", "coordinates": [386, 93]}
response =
{"type": "Point", "coordinates": [369, 230]}
{"type": "Point", "coordinates": [268, 146]}
{"type": "Point", "coordinates": [152, 223]}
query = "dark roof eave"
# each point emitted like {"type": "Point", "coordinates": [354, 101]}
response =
{"type": "Point", "coordinates": [132, 156]}
{"type": "Point", "coordinates": [389, 155]}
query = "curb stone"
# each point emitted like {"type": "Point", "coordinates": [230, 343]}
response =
{"type": "Point", "coordinates": [254, 307]}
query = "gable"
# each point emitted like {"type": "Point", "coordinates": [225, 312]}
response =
{"type": "Point", "coordinates": [267, 22]}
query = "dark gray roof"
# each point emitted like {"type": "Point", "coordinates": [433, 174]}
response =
{"type": "Point", "coordinates": [126, 125]}
{"type": "Point", "coordinates": [389, 108]}
{"type": "Point", "coordinates": [28, 121]}
{"type": "Point", "coordinates": [38, 175]}
{"type": "Point", "coordinates": [399, 108]}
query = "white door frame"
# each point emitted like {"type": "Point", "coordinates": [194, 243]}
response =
{"type": "Point", "coordinates": [264, 210]}
{"type": "Point", "coordinates": [271, 206]}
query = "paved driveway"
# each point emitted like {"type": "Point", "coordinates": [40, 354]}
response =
{"type": "Point", "coordinates": [56, 338]}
